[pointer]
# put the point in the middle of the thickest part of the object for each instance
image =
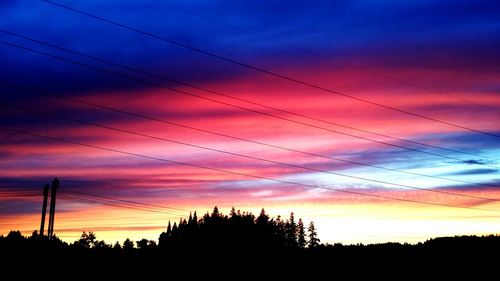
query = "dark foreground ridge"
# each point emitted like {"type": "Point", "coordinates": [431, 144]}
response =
{"type": "Point", "coordinates": [242, 241]}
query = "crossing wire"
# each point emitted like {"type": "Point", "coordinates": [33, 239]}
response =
{"type": "Point", "coordinates": [268, 72]}
{"type": "Point", "coordinates": [232, 105]}
{"type": "Point", "coordinates": [125, 200]}
{"type": "Point", "coordinates": [252, 157]}
{"type": "Point", "coordinates": [309, 186]}
{"type": "Point", "coordinates": [264, 144]}
{"type": "Point", "coordinates": [11, 192]}
{"type": "Point", "coordinates": [330, 58]}
{"type": "Point", "coordinates": [219, 93]}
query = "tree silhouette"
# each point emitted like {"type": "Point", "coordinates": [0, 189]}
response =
{"type": "Point", "coordinates": [86, 240]}
{"type": "Point", "coordinates": [169, 228]}
{"type": "Point", "coordinates": [232, 213]}
{"type": "Point", "coordinates": [301, 234]}
{"type": "Point", "coordinates": [263, 218]}
{"type": "Point", "coordinates": [215, 212]}
{"type": "Point", "coordinates": [237, 230]}
{"type": "Point", "coordinates": [195, 218]}
{"type": "Point", "coordinates": [145, 244]}
{"type": "Point", "coordinates": [279, 231]}
{"type": "Point", "coordinates": [101, 245]}
{"type": "Point", "coordinates": [128, 245]}
{"type": "Point", "coordinates": [243, 243]}
{"type": "Point", "coordinates": [291, 231]}
{"type": "Point", "coordinates": [142, 244]}
{"type": "Point", "coordinates": [15, 235]}
{"type": "Point", "coordinates": [313, 236]}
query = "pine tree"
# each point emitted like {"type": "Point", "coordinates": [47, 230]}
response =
{"type": "Point", "coordinates": [232, 213]}
{"type": "Point", "coordinates": [206, 218]}
{"type": "Point", "coordinates": [215, 212]}
{"type": "Point", "coordinates": [280, 226]}
{"type": "Point", "coordinates": [301, 234]}
{"type": "Point", "coordinates": [263, 218]}
{"type": "Point", "coordinates": [291, 231]}
{"type": "Point", "coordinates": [169, 228]}
{"type": "Point", "coordinates": [313, 236]}
{"type": "Point", "coordinates": [195, 218]}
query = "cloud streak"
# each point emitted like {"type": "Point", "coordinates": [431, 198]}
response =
{"type": "Point", "coordinates": [379, 56]}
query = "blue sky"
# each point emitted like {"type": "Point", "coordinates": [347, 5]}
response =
{"type": "Point", "coordinates": [435, 58]}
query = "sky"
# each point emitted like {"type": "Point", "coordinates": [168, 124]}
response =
{"type": "Point", "coordinates": [377, 120]}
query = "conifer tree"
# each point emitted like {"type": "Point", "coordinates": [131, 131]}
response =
{"type": "Point", "coordinates": [301, 234]}
{"type": "Point", "coordinates": [195, 218]}
{"type": "Point", "coordinates": [263, 218]}
{"type": "Point", "coordinates": [291, 231]}
{"type": "Point", "coordinates": [313, 236]}
{"type": "Point", "coordinates": [169, 228]}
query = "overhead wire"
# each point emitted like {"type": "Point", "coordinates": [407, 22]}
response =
{"type": "Point", "coordinates": [117, 204]}
{"type": "Point", "coordinates": [236, 106]}
{"type": "Point", "coordinates": [328, 58]}
{"type": "Point", "coordinates": [265, 71]}
{"type": "Point", "coordinates": [219, 93]}
{"type": "Point", "coordinates": [106, 200]}
{"type": "Point", "coordinates": [257, 158]}
{"type": "Point", "coordinates": [309, 186]}
{"type": "Point", "coordinates": [109, 201]}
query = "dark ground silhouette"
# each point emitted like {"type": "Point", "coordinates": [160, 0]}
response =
{"type": "Point", "coordinates": [216, 243]}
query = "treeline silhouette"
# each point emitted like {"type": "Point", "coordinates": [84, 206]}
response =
{"type": "Point", "coordinates": [238, 230]}
{"type": "Point", "coordinates": [243, 241]}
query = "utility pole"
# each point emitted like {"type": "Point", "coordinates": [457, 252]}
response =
{"type": "Point", "coordinates": [55, 186]}
{"type": "Point", "coordinates": [44, 208]}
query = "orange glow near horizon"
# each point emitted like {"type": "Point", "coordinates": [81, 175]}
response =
{"type": "Point", "coordinates": [164, 153]}
{"type": "Point", "coordinates": [347, 221]}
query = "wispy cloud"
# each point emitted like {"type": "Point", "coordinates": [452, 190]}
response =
{"type": "Point", "coordinates": [475, 172]}
{"type": "Point", "coordinates": [429, 59]}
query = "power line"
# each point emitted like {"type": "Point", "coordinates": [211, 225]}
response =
{"type": "Point", "coordinates": [229, 104]}
{"type": "Point", "coordinates": [234, 97]}
{"type": "Point", "coordinates": [127, 201]}
{"type": "Point", "coordinates": [258, 158]}
{"type": "Point", "coordinates": [106, 203]}
{"type": "Point", "coordinates": [104, 200]}
{"type": "Point", "coordinates": [278, 147]}
{"type": "Point", "coordinates": [119, 202]}
{"type": "Point", "coordinates": [268, 72]}
{"type": "Point", "coordinates": [241, 155]}
{"type": "Point", "coordinates": [241, 174]}
{"type": "Point", "coordinates": [328, 58]}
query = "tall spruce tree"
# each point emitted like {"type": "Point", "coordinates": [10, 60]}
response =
{"type": "Point", "coordinates": [301, 234]}
{"type": "Point", "coordinates": [291, 231]}
{"type": "Point", "coordinates": [313, 236]}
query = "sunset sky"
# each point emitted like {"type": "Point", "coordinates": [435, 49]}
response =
{"type": "Point", "coordinates": [378, 120]}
